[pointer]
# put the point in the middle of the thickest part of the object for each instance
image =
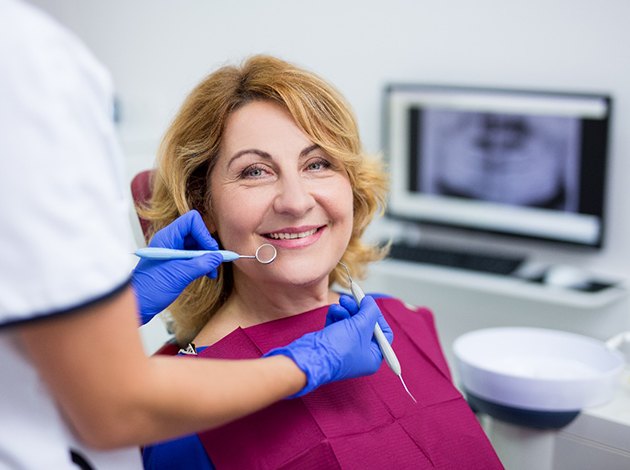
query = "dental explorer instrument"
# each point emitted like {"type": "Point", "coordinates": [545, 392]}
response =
{"type": "Point", "coordinates": [386, 348]}
{"type": "Point", "coordinates": [265, 254]}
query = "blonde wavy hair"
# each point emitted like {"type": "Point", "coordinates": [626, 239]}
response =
{"type": "Point", "coordinates": [190, 148]}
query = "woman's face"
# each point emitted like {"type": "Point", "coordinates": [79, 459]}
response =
{"type": "Point", "coordinates": [271, 184]}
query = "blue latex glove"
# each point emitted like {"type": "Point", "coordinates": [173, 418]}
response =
{"type": "Point", "coordinates": [348, 307]}
{"type": "Point", "coordinates": [157, 283]}
{"type": "Point", "coordinates": [344, 349]}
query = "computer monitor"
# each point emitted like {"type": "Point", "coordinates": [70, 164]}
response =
{"type": "Point", "coordinates": [514, 162]}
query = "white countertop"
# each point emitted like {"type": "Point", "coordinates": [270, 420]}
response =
{"type": "Point", "coordinates": [618, 409]}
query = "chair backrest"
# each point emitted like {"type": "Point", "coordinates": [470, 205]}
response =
{"type": "Point", "coordinates": [141, 191]}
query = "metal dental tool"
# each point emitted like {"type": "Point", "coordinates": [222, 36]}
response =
{"type": "Point", "coordinates": [265, 254]}
{"type": "Point", "coordinates": [386, 348]}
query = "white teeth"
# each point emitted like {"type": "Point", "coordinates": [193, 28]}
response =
{"type": "Point", "coordinates": [290, 236]}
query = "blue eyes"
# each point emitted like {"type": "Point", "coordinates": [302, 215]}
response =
{"type": "Point", "coordinates": [253, 171]}
{"type": "Point", "coordinates": [318, 165]}
{"type": "Point", "coordinates": [257, 170]}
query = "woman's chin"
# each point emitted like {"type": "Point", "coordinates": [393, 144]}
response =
{"type": "Point", "coordinates": [299, 280]}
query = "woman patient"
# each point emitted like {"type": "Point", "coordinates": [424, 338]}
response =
{"type": "Point", "coordinates": [270, 153]}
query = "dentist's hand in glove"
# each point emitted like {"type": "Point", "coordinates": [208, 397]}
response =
{"type": "Point", "coordinates": [158, 283]}
{"type": "Point", "coordinates": [344, 349]}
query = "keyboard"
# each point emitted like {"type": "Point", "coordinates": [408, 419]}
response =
{"type": "Point", "coordinates": [474, 261]}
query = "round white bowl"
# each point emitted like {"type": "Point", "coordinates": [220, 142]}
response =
{"type": "Point", "coordinates": [537, 369]}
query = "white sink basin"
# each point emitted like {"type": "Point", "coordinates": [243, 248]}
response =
{"type": "Point", "coordinates": [519, 370]}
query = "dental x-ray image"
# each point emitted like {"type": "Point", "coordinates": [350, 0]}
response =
{"type": "Point", "coordinates": [515, 159]}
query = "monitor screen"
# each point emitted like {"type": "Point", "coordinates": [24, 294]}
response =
{"type": "Point", "coordinates": [514, 162]}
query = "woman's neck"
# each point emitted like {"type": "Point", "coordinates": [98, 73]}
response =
{"type": "Point", "coordinates": [252, 303]}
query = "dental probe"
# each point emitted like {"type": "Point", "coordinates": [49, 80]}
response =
{"type": "Point", "coordinates": [386, 348]}
{"type": "Point", "coordinates": [157, 253]}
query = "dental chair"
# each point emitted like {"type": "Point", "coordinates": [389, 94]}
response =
{"type": "Point", "coordinates": [141, 191]}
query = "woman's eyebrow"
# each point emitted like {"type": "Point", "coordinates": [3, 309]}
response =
{"type": "Point", "coordinates": [266, 155]}
{"type": "Point", "coordinates": [240, 153]}
{"type": "Point", "coordinates": [308, 150]}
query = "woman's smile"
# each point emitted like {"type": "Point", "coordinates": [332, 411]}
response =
{"type": "Point", "coordinates": [295, 237]}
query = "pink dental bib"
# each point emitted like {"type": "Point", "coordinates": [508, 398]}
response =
{"type": "Point", "coordinates": [363, 423]}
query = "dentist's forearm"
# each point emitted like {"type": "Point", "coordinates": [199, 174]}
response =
{"type": "Point", "coordinates": [94, 363]}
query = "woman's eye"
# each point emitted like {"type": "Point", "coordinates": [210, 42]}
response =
{"type": "Point", "coordinates": [254, 171]}
{"type": "Point", "coordinates": [318, 165]}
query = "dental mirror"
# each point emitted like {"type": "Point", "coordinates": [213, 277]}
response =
{"type": "Point", "coordinates": [265, 254]}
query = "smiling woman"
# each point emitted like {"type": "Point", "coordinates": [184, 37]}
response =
{"type": "Point", "coordinates": [270, 153]}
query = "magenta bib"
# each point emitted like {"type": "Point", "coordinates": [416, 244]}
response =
{"type": "Point", "coordinates": [364, 423]}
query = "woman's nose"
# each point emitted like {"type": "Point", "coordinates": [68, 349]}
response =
{"type": "Point", "coordinates": [294, 197]}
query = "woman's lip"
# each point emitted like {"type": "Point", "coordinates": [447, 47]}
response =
{"type": "Point", "coordinates": [297, 242]}
{"type": "Point", "coordinates": [304, 228]}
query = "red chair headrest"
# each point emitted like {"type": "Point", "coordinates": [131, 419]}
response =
{"type": "Point", "coordinates": [141, 190]}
